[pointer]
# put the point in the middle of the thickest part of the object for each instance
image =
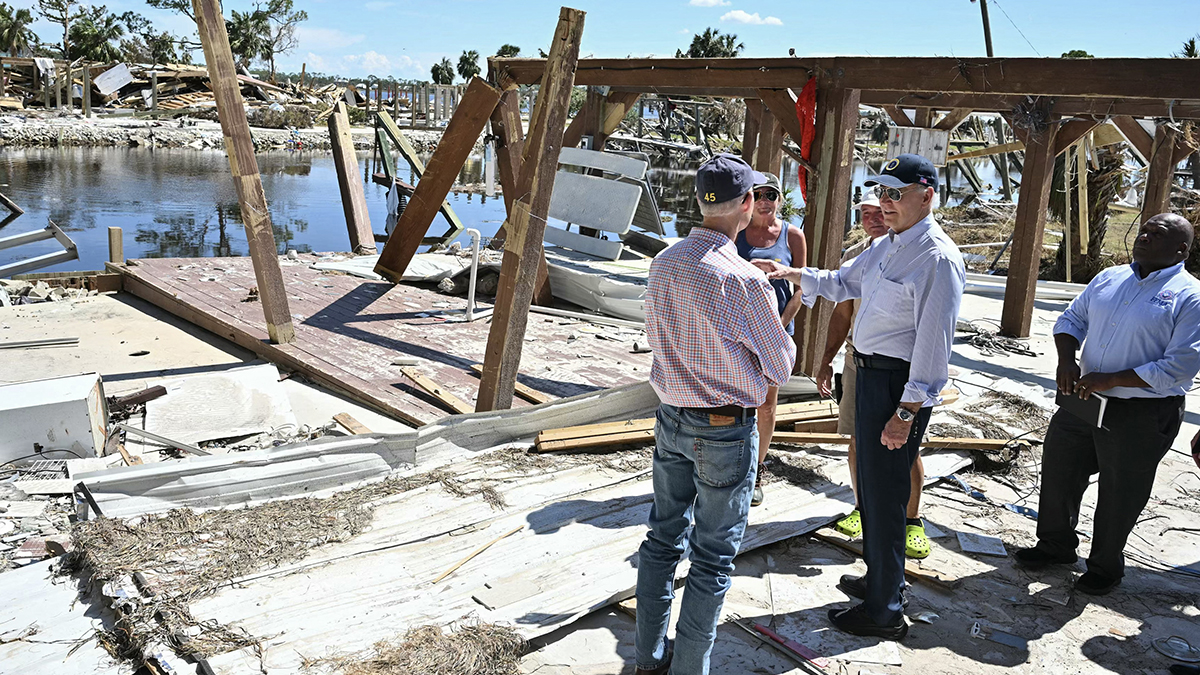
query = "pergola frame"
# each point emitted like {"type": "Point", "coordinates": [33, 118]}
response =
{"type": "Point", "coordinates": [1052, 92]}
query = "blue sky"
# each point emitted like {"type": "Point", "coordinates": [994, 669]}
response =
{"type": "Point", "coordinates": [403, 38]}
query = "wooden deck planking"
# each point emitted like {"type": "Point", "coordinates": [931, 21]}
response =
{"type": "Point", "coordinates": [350, 330]}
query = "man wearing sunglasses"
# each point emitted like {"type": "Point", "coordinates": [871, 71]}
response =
{"type": "Point", "coordinates": [768, 237]}
{"type": "Point", "coordinates": [911, 283]}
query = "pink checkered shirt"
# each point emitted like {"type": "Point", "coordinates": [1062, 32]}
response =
{"type": "Point", "coordinates": [713, 323]}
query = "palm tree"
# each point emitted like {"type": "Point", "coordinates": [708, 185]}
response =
{"type": "Point", "coordinates": [248, 35]}
{"type": "Point", "coordinates": [442, 73]}
{"type": "Point", "coordinates": [468, 64]}
{"type": "Point", "coordinates": [508, 51]}
{"type": "Point", "coordinates": [16, 37]}
{"type": "Point", "coordinates": [712, 44]}
{"type": "Point", "coordinates": [96, 35]}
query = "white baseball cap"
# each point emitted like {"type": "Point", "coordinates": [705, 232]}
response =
{"type": "Point", "coordinates": [869, 199]}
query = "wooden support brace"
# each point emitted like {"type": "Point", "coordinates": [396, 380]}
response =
{"type": "Point", "coordinates": [898, 116]}
{"type": "Point", "coordinates": [953, 118]}
{"type": "Point", "coordinates": [750, 131]}
{"type": "Point", "coordinates": [1001, 149]}
{"type": "Point", "coordinates": [526, 227]}
{"type": "Point", "coordinates": [1070, 133]}
{"type": "Point", "coordinates": [924, 117]}
{"type": "Point", "coordinates": [354, 199]}
{"type": "Point", "coordinates": [1141, 141]}
{"type": "Point", "coordinates": [244, 166]}
{"type": "Point", "coordinates": [456, 145]}
{"type": "Point", "coordinates": [1026, 252]}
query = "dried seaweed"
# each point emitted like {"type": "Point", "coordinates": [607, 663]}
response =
{"type": "Point", "coordinates": [1013, 410]}
{"type": "Point", "coordinates": [471, 649]}
{"type": "Point", "coordinates": [799, 471]}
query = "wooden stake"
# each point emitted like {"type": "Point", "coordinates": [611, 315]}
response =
{"type": "Point", "coordinates": [116, 246]}
{"type": "Point", "coordinates": [354, 199]}
{"type": "Point", "coordinates": [1026, 253]}
{"type": "Point", "coordinates": [244, 167]}
{"type": "Point", "coordinates": [456, 145]}
{"type": "Point", "coordinates": [523, 247]}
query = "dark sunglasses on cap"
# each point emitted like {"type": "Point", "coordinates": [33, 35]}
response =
{"type": "Point", "coordinates": [894, 194]}
{"type": "Point", "coordinates": [769, 195]}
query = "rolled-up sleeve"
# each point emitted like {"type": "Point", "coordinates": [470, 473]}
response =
{"type": "Point", "coordinates": [1181, 360]}
{"type": "Point", "coordinates": [1074, 321]}
{"type": "Point", "coordinates": [764, 334]}
{"type": "Point", "coordinates": [937, 313]}
{"type": "Point", "coordinates": [837, 285]}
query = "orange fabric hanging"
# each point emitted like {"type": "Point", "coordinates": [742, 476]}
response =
{"type": "Point", "coordinates": [806, 113]}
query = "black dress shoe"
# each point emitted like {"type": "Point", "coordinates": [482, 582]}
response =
{"type": "Point", "coordinates": [1184, 669]}
{"type": "Point", "coordinates": [1095, 584]}
{"type": "Point", "coordinates": [856, 622]}
{"type": "Point", "coordinates": [856, 587]}
{"type": "Point", "coordinates": [1036, 558]}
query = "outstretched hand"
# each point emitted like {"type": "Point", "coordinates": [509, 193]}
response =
{"type": "Point", "coordinates": [775, 270]}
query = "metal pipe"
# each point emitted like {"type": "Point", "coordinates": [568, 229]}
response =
{"type": "Point", "coordinates": [470, 315]}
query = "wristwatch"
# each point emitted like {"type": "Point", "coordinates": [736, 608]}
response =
{"type": "Point", "coordinates": [905, 414]}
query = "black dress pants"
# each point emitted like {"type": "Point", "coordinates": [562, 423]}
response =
{"type": "Point", "coordinates": [1126, 455]}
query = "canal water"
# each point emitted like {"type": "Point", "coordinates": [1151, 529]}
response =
{"type": "Point", "coordinates": [181, 202]}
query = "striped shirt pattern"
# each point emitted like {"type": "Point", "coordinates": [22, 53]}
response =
{"type": "Point", "coordinates": [713, 323]}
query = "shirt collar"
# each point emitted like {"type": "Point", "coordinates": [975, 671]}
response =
{"type": "Point", "coordinates": [1165, 273]}
{"type": "Point", "coordinates": [710, 236]}
{"type": "Point", "coordinates": [911, 234]}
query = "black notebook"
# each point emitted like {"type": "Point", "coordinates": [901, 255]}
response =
{"type": "Point", "coordinates": [1090, 411]}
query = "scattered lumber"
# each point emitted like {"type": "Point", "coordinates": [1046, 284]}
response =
{"type": "Point", "coordinates": [435, 390]}
{"type": "Point", "coordinates": [524, 391]}
{"type": "Point", "coordinates": [911, 570]}
{"type": "Point", "coordinates": [352, 425]}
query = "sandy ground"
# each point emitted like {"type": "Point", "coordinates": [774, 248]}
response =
{"type": "Point", "coordinates": [791, 585]}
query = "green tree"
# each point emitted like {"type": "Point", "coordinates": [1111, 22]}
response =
{"type": "Point", "coordinates": [16, 37]}
{"type": "Point", "coordinates": [282, 21]}
{"type": "Point", "coordinates": [442, 73]}
{"type": "Point", "coordinates": [1189, 50]}
{"type": "Point", "coordinates": [59, 12]}
{"type": "Point", "coordinates": [248, 33]}
{"type": "Point", "coordinates": [712, 44]}
{"type": "Point", "coordinates": [1077, 54]}
{"type": "Point", "coordinates": [508, 51]}
{"type": "Point", "coordinates": [184, 7]}
{"type": "Point", "coordinates": [96, 35]}
{"type": "Point", "coordinates": [468, 64]}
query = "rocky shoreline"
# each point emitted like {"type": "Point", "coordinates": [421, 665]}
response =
{"type": "Point", "coordinates": [30, 131]}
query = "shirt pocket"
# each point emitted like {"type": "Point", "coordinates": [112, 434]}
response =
{"type": "Point", "coordinates": [894, 298]}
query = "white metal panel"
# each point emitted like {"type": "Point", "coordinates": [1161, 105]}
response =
{"type": "Point", "coordinates": [605, 161]}
{"type": "Point", "coordinates": [57, 413]}
{"type": "Point", "coordinates": [601, 248]}
{"type": "Point", "coordinates": [594, 202]}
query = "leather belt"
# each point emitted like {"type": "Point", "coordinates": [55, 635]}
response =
{"type": "Point", "coordinates": [727, 411]}
{"type": "Point", "coordinates": [880, 362]}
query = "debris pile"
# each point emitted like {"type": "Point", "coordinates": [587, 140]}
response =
{"type": "Point", "coordinates": [17, 292]}
{"type": "Point", "coordinates": [471, 649]}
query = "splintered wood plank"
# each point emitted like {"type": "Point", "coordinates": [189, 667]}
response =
{"type": "Point", "coordinates": [435, 390]}
{"type": "Point", "coordinates": [607, 440]}
{"type": "Point", "coordinates": [354, 199]}
{"type": "Point", "coordinates": [591, 430]}
{"type": "Point", "coordinates": [352, 425]}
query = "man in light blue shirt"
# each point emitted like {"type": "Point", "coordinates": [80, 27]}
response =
{"type": "Point", "coordinates": [1140, 329]}
{"type": "Point", "coordinates": [911, 282]}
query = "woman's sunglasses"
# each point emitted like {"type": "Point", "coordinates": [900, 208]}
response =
{"type": "Point", "coordinates": [769, 195]}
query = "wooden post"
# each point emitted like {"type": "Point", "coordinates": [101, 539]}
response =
{"type": "Point", "coordinates": [116, 246]}
{"type": "Point", "coordinates": [354, 199]}
{"type": "Point", "coordinates": [770, 142]}
{"type": "Point", "coordinates": [1081, 187]}
{"type": "Point", "coordinates": [1161, 173]}
{"type": "Point", "coordinates": [244, 167]}
{"type": "Point", "coordinates": [87, 91]}
{"type": "Point", "coordinates": [523, 248]}
{"type": "Point", "coordinates": [829, 200]}
{"type": "Point", "coordinates": [1002, 160]}
{"type": "Point", "coordinates": [154, 90]}
{"type": "Point", "coordinates": [750, 129]}
{"type": "Point", "coordinates": [594, 118]}
{"type": "Point", "coordinates": [46, 90]}
{"type": "Point", "coordinates": [1029, 230]}
{"type": "Point", "coordinates": [58, 79]}
{"type": "Point", "coordinates": [641, 116]}
{"type": "Point", "coordinates": [924, 118]}
{"type": "Point", "coordinates": [456, 145]}
{"type": "Point", "coordinates": [1069, 246]}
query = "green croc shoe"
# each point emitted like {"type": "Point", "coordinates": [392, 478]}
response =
{"type": "Point", "coordinates": [916, 544]}
{"type": "Point", "coordinates": [851, 525]}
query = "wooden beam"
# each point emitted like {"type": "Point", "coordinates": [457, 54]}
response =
{"type": "Point", "coordinates": [770, 142]}
{"type": "Point", "coordinates": [952, 119]}
{"type": "Point", "coordinates": [1157, 197]}
{"type": "Point", "coordinates": [617, 106]}
{"type": "Point", "coordinates": [1163, 78]}
{"type": "Point", "coordinates": [1030, 227]}
{"type": "Point", "coordinates": [577, 129]}
{"type": "Point", "coordinates": [924, 117]}
{"type": "Point", "coordinates": [1142, 142]}
{"type": "Point", "coordinates": [239, 146]}
{"type": "Point", "coordinates": [829, 199]}
{"type": "Point", "coordinates": [1001, 149]}
{"type": "Point", "coordinates": [427, 385]}
{"type": "Point", "coordinates": [1069, 134]}
{"type": "Point", "coordinates": [352, 425]}
{"type": "Point", "coordinates": [898, 116]}
{"type": "Point", "coordinates": [354, 199]}
{"type": "Point", "coordinates": [523, 248]}
{"type": "Point", "coordinates": [456, 145]}
{"type": "Point", "coordinates": [524, 391]}
{"type": "Point", "coordinates": [1071, 105]}
{"type": "Point", "coordinates": [750, 128]}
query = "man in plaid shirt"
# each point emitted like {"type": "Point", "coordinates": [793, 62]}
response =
{"type": "Point", "coordinates": [713, 323]}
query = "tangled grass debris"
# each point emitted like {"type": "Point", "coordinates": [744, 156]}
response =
{"type": "Point", "coordinates": [471, 649]}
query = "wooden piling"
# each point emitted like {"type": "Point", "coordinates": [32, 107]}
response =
{"type": "Point", "coordinates": [87, 91]}
{"type": "Point", "coordinates": [523, 248]}
{"type": "Point", "coordinates": [244, 166]}
{"type": "Point", "coordinates": [354, 199]}
{"type": "Point", "coordinates": [116, 246]}
{"type": "Point", "coordinates": [1161, 173]}
{"type": "Point", "coordinates": [154, 90]}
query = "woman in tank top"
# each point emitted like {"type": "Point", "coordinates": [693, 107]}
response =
{"type": "Point", "coordinates": [771, 238]}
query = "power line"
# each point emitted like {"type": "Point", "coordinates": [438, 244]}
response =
{"type": "Point", "coordinates": [1014, 25]}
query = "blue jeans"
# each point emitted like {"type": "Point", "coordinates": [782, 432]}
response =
{"type": "Point", "coordinates": [702, 473]}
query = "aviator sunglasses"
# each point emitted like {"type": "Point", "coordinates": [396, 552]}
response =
{"type": "Point", "coordinates": [769, 195]}
{"type": "Point", "coordinates": [894, 194]}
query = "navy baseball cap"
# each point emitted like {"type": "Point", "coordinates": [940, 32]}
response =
{"type": "Point", "coordinates": [726, 177]}
{"type": "Point", "coordinates": [905, 170]}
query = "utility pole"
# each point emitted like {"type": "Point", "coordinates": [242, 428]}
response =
{"type": "Point", "coordinates": [987, 27]}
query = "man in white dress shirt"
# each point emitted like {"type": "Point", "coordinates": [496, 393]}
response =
{"type": "Point", "coordinates": [911, 283]}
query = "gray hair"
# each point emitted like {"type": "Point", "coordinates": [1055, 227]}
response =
{"type": "Point", "coordinates": [720, 209]}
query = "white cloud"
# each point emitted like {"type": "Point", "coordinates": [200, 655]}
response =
{"type": "Point", "coordinates": [742, 17]}
{"type": "Point", "coordinates": [685, 31]}
{"type": "Point", "coordinates": [324, 39]}
{"type": "Point", "coordinates": [374, 63]}
{"type": "Point", "coordinates": [708, 3]}
{"type": "Point", "coordinates": [377, 5]}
